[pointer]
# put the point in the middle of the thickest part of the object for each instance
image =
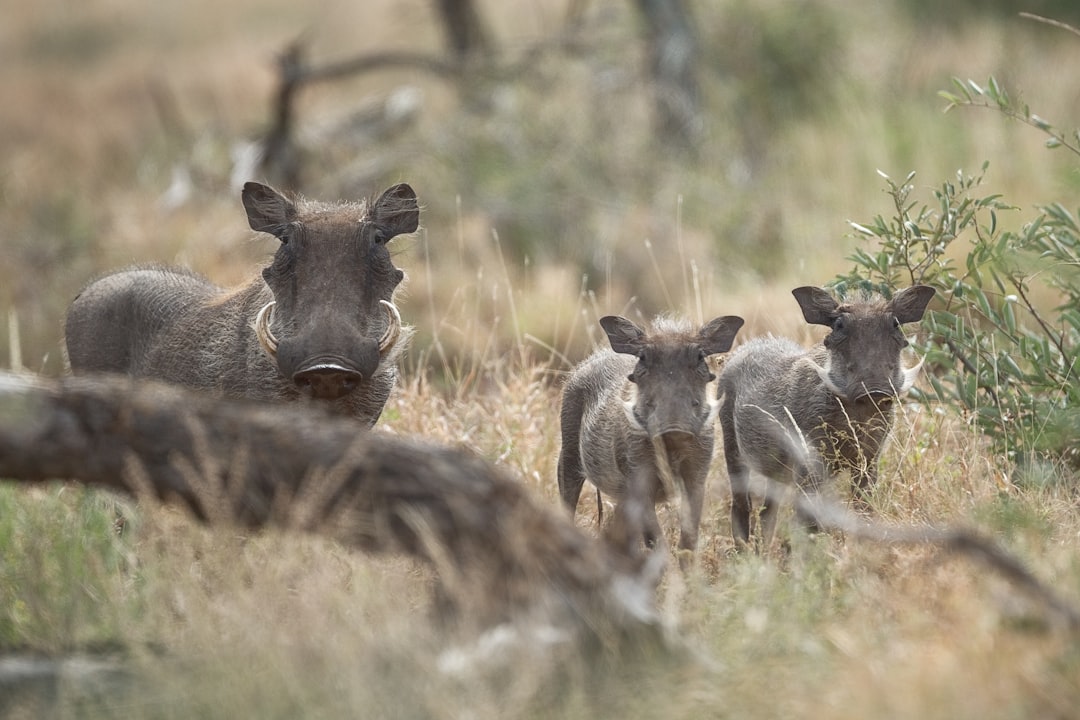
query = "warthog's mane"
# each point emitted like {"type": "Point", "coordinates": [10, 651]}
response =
{"type": "Point", "coordinates": [317, 209]}
{"type": "Point", "coordinates": [673, 329]}
{"type": "Point", "coordinates": [351, 209]}
{"type": "Point", "coordinates": [863, 302]}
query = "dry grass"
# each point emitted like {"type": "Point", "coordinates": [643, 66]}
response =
{"type": "Point", "coordinates": [218, 624]}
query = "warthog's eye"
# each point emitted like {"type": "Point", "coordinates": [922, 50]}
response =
{"type": "Point", "coordinates": [284, 260]}
{"type": "Point", "coordinates": [383, 234]}
{"type": "Point", "coordinates": [896, 323]}
{"type": "Point", "coordinates": [839, 323]}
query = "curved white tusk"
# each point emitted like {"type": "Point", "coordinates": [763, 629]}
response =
{"type": "Point", "coordinates": [266, 338]}
{"type": "Point", "coordinates": [910, 375]}
{"type": "Point", "coordinates": [823, 373]}
{"type": "Point", "coordinates": [393, 330]}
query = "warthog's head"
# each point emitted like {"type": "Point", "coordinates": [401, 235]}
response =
{"type": "Point", "coordinates": [332, 321]}
{"type": "Point", "coordinates": [863, 349]}
{"type": "Point", "coordinates": [672, 374]}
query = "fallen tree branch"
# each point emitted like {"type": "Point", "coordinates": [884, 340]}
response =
{"type": "Point", "coordinates": [966, 542]}
{"type": "Point", "coordinates": [499, 554]}
{"type": "Point", "coordinates": [380, 61]}
{"type": "Point", "coordinates": [280, 157]}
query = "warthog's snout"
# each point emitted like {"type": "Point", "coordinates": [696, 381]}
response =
{"type": "Point", "coordinates": [877, 397]}
{"type": "Point", "coordinates": [677, 432]}
{"type": "Point", "coordinates": [331, 376]}
{"type": "Point", "coordinates": [676, 440]}
{"type": "Point", "coordinates": [327, 382]}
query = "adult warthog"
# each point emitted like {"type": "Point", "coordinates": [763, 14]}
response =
{"type": "Point", "coordinates": [806, 415]}
{"type": "Point", "coordinates": [319, 322]}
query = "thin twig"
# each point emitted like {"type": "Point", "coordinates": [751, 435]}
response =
{"type": "Point", "coordinates": [1048, 21]}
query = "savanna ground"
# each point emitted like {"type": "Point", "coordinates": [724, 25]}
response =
{"type": "Point", "coordinates": [545, 206]}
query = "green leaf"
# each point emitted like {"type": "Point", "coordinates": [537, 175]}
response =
{"type": "Point", "coordinates": [1009, 317]}
{"type": "Point", "coordinates": [983, 303]}
{"type": "Point", "coordinates": [1040, 123]}
{"type": "Point", "coordinates": [1008, 364]}
{"type": "Point", "coordinates": [997, 94]}
{"type": "Point", "coordinates": [962, 88]}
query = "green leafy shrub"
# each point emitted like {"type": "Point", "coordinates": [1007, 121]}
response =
{"type": "Point", "coordinates": [1004, 333]}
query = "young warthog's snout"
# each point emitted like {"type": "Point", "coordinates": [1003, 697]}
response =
{"type": "Point", "coordinates": [678, 414]}
{"type": "Point", "coordinates": [677, 440]}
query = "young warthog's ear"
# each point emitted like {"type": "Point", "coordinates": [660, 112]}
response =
{"type": "Point", "coordinates": [818, 306]}
{"type": "Point", "coordinates": [268, 210]}
{"type": "Point", "coordinates": [396, 211]}
{"type": "Point", "coordinates": [909, 304]}
{"type": "Point", "coordinates": [624, 336]}
{"type": "Point", "coordinates": [717, 335]}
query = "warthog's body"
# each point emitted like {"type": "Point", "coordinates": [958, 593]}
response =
{"type": "Point", "coordinates": [319, 322]}
{"type": "Point", "coordinates": [790, 413]}
{"type": "Point", "coordinates": [620, 409]}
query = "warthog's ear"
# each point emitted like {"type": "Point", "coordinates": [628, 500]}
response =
{"type": "Point", "coordinates": [717, 335]}
{"type": "Point", "coordinates": [268, 210]}
{"type": "Point", "coordinates": [818, 306]}
{"type": "Point", "coordinates": [909, 304]}
{"type": "Point", "coordinates": [624, 336]}
{"type": "Point", "coordinates": [396, 211]}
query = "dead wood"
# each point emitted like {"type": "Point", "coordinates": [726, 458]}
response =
{"type": "Point", "coordinates": [958, 541]}
{"type": "Point", "coordinates": [498, 553]}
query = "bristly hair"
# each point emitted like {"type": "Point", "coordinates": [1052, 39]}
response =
{"type": "Point", "coordinates": [862, 299]}
{"type": "Point", "coordinates": [674, 326]}
{"type": "Point", "coordinates": [355, 209]}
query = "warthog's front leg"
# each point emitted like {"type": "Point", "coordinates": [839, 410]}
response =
{"type": "Point", "coordinates": [690, 520]}
{"type": "Point", "coordinates": [635, 516]}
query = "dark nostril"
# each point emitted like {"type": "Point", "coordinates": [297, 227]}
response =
{"type": "Point", "coordinates": [327, 383]}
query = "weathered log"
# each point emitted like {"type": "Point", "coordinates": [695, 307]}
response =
{"type": "Point", "coordinates": [499, 554]}
{"type": "Point", "coordinates": [958, 541]}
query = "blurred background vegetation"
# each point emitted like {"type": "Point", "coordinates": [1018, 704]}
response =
{"type": "Point", "coordinates": [573, 157]}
